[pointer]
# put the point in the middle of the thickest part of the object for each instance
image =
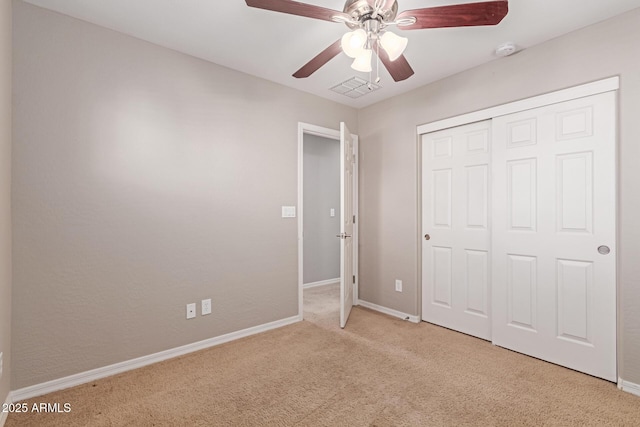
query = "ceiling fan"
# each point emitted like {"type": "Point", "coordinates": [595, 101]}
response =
{"type": "Point", "coordinates": [368, 20]}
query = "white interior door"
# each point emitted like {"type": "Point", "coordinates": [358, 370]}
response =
{"type": "Point", "coordinates": [554, 234]}
{"type": "Point", "coordinates": [346, 224]}
{"type": "Point", "coordinates": [455, 228]}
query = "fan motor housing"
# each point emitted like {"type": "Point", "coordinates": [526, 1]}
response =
{"type": "Point", "coordinates": [359, 9]}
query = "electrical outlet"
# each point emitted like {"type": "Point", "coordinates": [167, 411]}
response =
{"type": "Point", "coordinates": [398, 285]}
{"type": "Point", "coordinates": [206, 306]}
{"type": "Point", "coordinates": [191, 310]}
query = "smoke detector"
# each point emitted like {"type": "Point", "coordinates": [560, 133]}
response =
{"type": "Point", "coordinates": [506, 49]}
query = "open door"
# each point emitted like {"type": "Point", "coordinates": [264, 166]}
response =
{"type": "Point", "coordinates": [346, 224]}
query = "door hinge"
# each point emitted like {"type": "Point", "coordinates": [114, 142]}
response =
{"type": "Point", "coordinates": [354, 279]}
{"type": "Point", "coordinates": [353, 159]}
{"type": "Point", "coordinates": [354, 219]}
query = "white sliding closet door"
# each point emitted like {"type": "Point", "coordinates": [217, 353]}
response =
{"type": "Point", "coordinates": [554, 234]}
{"type": "Point", "coordinates": [455, 228]}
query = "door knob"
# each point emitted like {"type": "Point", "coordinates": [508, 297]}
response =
{"type": "Point", "coordinates": [603, 250]}
{"type": "Point", "coordinates": [427, 237]}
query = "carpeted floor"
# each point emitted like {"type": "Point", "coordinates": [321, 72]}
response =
{"type": "Point", "coordinates": [379, 371]}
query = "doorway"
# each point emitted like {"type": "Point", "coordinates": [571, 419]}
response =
{"type": "Point", "coordinates": [321, 207]}
{"type": "Point", "coordinates": [320, 210]}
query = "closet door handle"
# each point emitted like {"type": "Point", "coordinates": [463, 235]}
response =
{"type": "Point", "coordinates": [427, 237]}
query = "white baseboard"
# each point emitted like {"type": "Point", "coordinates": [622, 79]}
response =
{"type": "Point", "coordinates": [4, 415]}
{"type": "Point", "coordinates": [107, 371]}
{"type": "Point", "coordinates": [389, 311]}
{"type": "Point", "coordinates": [629, 387]}
{"type": "Point", "coordinates": [321, 283]}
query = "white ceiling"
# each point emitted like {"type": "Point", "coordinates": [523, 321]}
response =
{"type": "Point", "coordinates": [274, 45]}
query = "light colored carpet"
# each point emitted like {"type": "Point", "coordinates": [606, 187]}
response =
{"type": "Point", "coordinates": [379, 371]}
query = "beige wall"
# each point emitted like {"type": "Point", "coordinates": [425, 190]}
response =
{"type": "Point", "coordinates": [5, 195]}
{"type": "Point", "coordinates": [144, 179]}
{"type": "Point", "coordinates": [389, 164]}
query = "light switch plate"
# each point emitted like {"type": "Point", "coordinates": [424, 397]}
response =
{"type": "Point", "coordinates": [288, 212]}
{"type": "Point", "coordinates": [398, 285]}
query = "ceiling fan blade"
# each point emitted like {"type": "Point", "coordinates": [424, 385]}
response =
{"type": "Point", "coordinates": [457, 15]}
{"type": "Point", "coordinates": [317, 62]}
{"type": "Point", "coordinates": [297, 8]}
{"type": "Point", "coordinates": [399, 69]}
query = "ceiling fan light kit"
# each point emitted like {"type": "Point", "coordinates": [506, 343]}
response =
{"type": "Point", "coordinates": [393, 44]}
{"type": "Point", "coordinates": [368, 20]}
{"type": "Point", "coordinates": [353, 42]}
{"type": "Point", "coordinates": [362, 62]}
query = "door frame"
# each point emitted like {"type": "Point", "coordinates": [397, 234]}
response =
{"type": "Point", "coordinates": [610, 84]}
{"type": "Point", "coordinates": [309, 129]}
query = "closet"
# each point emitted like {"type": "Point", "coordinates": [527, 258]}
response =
{"type": "Point", "coordinates": [519, 230]}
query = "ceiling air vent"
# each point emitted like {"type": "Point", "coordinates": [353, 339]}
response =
{"type": "Point", "coordinates": [355, 87]}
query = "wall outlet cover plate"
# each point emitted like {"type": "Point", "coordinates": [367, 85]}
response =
{"type": "Point", "coordinates": [191, 310]}
{"type": "Point", "coordinates": [206, 306]}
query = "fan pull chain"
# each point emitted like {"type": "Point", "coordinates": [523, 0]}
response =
{"type": "Point", "coordinates": [370, 72]}
{"type": "Point", "coordinates": [378, 62]}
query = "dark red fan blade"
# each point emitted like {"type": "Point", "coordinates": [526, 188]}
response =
{"type": "Point", "coordinates": [322, 58]}
{"type": "Point", "coordinates": [399, 69]}
{"type": "Point", "coordinates": [457, 15]}
{"type": "Point", "coordinates": [297, 8]}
